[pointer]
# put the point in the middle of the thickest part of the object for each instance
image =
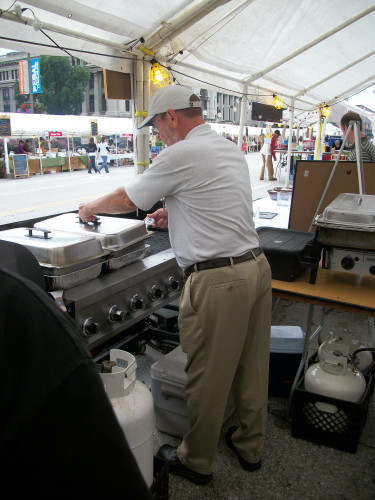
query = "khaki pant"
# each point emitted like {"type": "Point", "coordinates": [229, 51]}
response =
{"type": "Point", "coordinates": [224, 323]}
{"type": "Point", "coordinates": [269, 166]}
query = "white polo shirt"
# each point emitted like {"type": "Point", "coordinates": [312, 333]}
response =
{"type": "Point", "coordinates": [206, 185]}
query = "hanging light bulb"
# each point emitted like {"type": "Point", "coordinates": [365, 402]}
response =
{"type": "Point", "coordinates": [159, 76]}
{"type": "Point", "coordinates": [277, 102]}
{"type": "Point", "coordinates": [326, 111]}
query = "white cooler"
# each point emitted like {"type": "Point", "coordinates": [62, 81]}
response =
{"type": "Point", "coordinates": [168, 379]}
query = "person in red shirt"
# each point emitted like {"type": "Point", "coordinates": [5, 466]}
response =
{"type": "Point", "coordinates": [268, 156]}
{"type": "Point", "coordinates": [26, 146]}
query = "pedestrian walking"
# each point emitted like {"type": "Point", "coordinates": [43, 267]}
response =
{"type": "Point", "coordinates": [103, 150]}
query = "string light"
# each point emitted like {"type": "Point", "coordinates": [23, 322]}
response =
{"type": "Point", "coordinates": [277, 102]}
{"type": "Point", "coordinates": [159, 76]}
{"type": "Point", "coordinates": [326, 111]}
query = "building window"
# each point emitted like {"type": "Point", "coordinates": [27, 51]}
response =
{"type": "Point", "coordinates": [127, 105]}
{"type": "Point", "coordinates": [6, 94]}
{"type": "Point", "coordinates": [6, 108]}
{"type": "Point", "coordinates": [91, 104]}
{"type": "Point", "coordinates": [91, 81]}
{"type": "Point", "coordinates": [104, 103]}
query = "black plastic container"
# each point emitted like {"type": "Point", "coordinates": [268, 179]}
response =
{"type": "Point", "coordinates": [289, 252]}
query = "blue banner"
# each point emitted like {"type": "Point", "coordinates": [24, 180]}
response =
{"type": "Point", "coordinates": [36, 85]}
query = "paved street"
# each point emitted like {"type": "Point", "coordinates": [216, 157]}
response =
{"type": "Point", "coordinates": [50, 194]}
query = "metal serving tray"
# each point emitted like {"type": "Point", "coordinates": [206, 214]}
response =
{"type": "Point", "coordinates": [133, 254]}
{"type": "Point", "coordinates": [350, 210]}
{"type": "Point", "coordinates": [113, 232]}
{"type": "Point", "coordinates": [57, 248]}
{"type": "Point", "coordinates": [69, 280]}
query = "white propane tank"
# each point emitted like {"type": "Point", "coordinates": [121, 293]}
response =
{"type": "Point", "coordinates": [336, 378]}
{"type": "Point", "coordinates": [134, 407]}
{"type": "Point", "coordinates": [364, 357]}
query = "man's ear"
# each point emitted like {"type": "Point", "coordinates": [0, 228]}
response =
{"type": "Point", "coordinates": [172, 118]}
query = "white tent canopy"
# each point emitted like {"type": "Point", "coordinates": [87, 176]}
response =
{"type": "Point", "coordinates": [27, 125]}
{"type": "Point", "coordinates": [308, 53]}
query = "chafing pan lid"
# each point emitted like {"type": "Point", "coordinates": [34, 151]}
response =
{"type": "Point", "coordinates": [57, 248]}
{"type": "Point", "coordinates": [350, 209]}
{"type": "Point", "coordinates": [113, 232]}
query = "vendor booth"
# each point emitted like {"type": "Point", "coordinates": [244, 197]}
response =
{"type": "Point", "coordinates": [63, 128]}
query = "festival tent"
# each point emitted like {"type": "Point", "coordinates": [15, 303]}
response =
{"type": "Point", "coordinates": [25, 125]}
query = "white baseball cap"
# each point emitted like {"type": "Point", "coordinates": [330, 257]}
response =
{"type": "Point", "coordinates": [170, 97]}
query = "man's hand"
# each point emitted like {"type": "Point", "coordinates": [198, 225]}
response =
{"type": "Point", "coordinates": [86, 213]}
{"type": "Point", "coordinates": [160, 218]}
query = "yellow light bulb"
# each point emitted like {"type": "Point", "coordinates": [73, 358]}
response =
{"type": "Point", "coordinates": [277, 102]}
{"type": "Point", "coordinates": [326, 111]}
{"type": "Point", "coordinates": [159, 76]}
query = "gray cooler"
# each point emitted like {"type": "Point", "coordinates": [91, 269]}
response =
{"type": "Point", "coordinates": [168, 379]}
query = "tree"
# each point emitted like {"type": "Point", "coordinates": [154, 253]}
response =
{"type": "Point", "coordinates": [63, 86]}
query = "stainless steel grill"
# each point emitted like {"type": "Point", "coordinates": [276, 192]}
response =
{"type": "Point", "coordinates": [117, 296]}
{"type": "Point", "coordinates": [113, 302]}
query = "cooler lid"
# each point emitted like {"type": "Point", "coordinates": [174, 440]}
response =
{"type": "Point", "coordinates": [171, 367]}
{"type": "Point", "coordinates": [278, 241]}
{"type": "Point", "coordinates": [287, 339]}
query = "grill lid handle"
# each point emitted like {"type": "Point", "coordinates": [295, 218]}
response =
{"type": "Point", "coordinates": [94, 223]}
{"type": "Point", "coordinates": [44, 231]}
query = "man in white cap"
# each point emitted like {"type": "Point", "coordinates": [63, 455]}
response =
{"type": "Point", "coordinates": [225, 305]}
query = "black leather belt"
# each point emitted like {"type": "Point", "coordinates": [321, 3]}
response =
{"type": "Point", "coordinates": [223, 262]}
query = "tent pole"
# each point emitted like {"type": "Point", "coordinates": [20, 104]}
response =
{"type": "Point", "coordinates": [318, 134]}
{"type": "Point", "coordinates": [6, 158]}
{"type": "Point", "coordinates": [146, 105]}
{"type": "Point", "coordinates": [289, 155]}
{"type": "Point", "coordinates": [70, 167]}
{"type": "Point", "coordinates": [138, 107]}
{"type": "Point", "coordinates": [242, 117]}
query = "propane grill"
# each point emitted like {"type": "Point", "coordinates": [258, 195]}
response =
{"type": "Point", "coordinates": [114, 301]}
{"type": "Point", "coordinates": [115, 297]}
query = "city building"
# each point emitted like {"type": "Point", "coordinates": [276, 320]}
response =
{"type": "Point", "coordinates": [217, 107]}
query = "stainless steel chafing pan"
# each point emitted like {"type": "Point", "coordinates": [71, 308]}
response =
{"type": "Point", "coordinates": [114, 233]}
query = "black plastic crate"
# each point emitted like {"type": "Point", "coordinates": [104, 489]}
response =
{"type": "Point", "coordinates": [342, 429]}
{"type": "Point", "coordinates": [159, 487]}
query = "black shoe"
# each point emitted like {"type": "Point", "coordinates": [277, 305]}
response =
{"type": "Point", "coordinates": [273, 179]}
{"type": "Point", "coordinates": [169, 454]}
{"type": "Point", "coordinates": [245, 465]}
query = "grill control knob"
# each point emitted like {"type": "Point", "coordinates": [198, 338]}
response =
{"type": "Point", "coordinates": [172, 284]}
{"type": "Point", "coordinates": [156, 293]}
{"type": "Point", "coordinates": [347, 263]}
{"type": "Point", "coordinates": [136, 302]}
{"type": "Point", "coordinates": [90, 327]}
{"type": "Point", "coordinates": [115, 314]}
{"type": "Point", "coordinates": [372, 270]}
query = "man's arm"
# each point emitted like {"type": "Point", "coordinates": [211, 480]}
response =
{"type": "Point", "coordinates": [117, 202]}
